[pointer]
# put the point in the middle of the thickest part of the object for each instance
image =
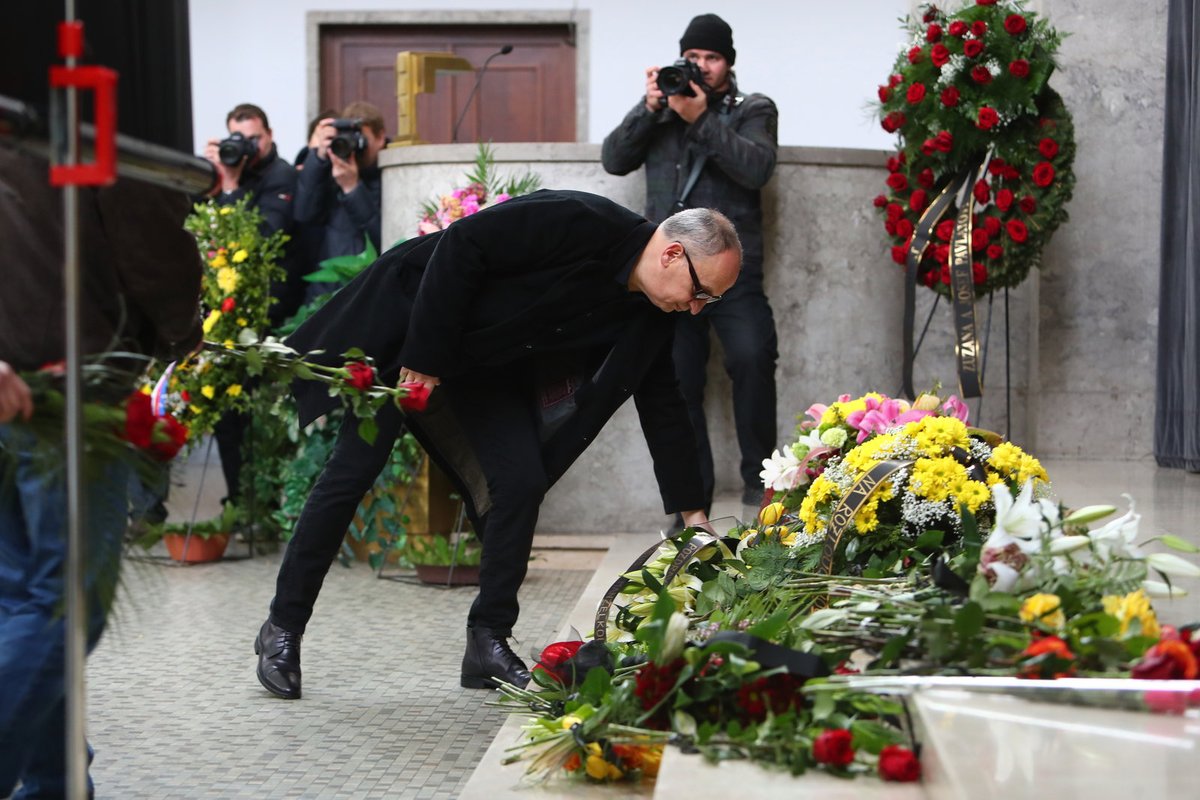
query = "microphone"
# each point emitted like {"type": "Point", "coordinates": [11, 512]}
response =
{"type": "Point", "coordinates": [503, 51]}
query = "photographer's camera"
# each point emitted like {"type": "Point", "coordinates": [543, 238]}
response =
{"type": "Point", "coordinates": [233, 149]}
{"type": "Point", "coordinates": [349, 140]}
{"type": "Point", "coordinates": [676, 79]}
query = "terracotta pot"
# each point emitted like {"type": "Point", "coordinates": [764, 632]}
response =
{"type": "Point", "coordinates": [436, 573]}
{"type": "Point", "coordinates": [199, 549]}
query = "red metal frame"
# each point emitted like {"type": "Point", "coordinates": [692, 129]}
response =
{"type": "Point", "coordinates": [102, 81]}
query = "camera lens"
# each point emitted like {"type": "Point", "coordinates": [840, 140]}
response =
{"type": "Point", "coordinates": [342, 146]}
{"type": "Point", "coordinates": [671, 80]}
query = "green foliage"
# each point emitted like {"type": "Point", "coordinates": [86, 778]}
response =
{"type": "Point", "coordinates": [439, 550]}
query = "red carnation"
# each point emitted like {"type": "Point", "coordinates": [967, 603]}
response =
{"type": "Point", "coordinates": [362, 375]}
{"type": "Point", "coordinates": [933, 33]}
{"type": "Point", "coordinates": [925, 178]}
{"type": "Point", "coordinates": [904, 228]}
{"type": "Point", "coordinates": [1004, 199]}
{"type": "Point", "coordinates": [1014, 24]}
{"type": "Point", "coordinates": [895, 211]}
{"type": "Point", "coordinates": [982, 192]}
{"type": "Point", "coordinates": [885, 94]}
{"type": "Point", "coordinates": [943, 141]}
{"type": "Point", "coordinates": [939, 55]}
{"type": "Point", "coordinates": [1027, 204]}
{"type": "Point", "coordinates": [945, 229]}
{"type": "Point", "coordinates": [978, 28]}
{"type": "Point", "coordinates": [1048, 148]}
{"type": "Point", "coordinates": [1019, 68]}
{"type": "Point", "coordinates": [979, 238]}
{"type": "Point", "coordinates": [980, 74]}
{"type": "Point", "coordinates": [918, 200]}
{"type": "Point", "coordinates": [978, 273]}
{"type": "Point", "coordinates": [833, 747]}
{"type": "Point", "coordinates": [972, 48]}
{"type": "Point", "coordinates": [899, 253]}
{"type": "Point", "coordinates": [895, 80]}
{"type": "Point", "coordinates": [555, 656]}
{"type": "Point", "coordinates": [992, 226]}
{"type": "Point", "coordinates": [898, 181]}
{"type": "Point", "coordinates": [916, 93]}
{"type": "Point", "coordinates": [987, 118]}
{"type": "Point", "coordinates": [1017, 230]}
{"type": "Point", "coordinates": [994, 251]}
{"type": "Point", "coordinates": [880, 201]}
{"type": "Point", "coordinates": [228, 304]}
{"type": "Point", "coordinates": [914, 55]}
{"type": "Point", "coordinates": [1043, 174]}
{"type": "Point", "coordinates": [950, 96]}
{"type": "Point", "coordinates": [958, 28]}
{"type": "Point", "coordinates": [898, 763]}
{"type": "Point", "coordinates": [416, 396]}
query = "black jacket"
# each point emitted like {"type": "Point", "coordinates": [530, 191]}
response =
{"type": "Point", "coordinates": [344, 219]}
{"type": "Point", "coordinates": [740, 149]}
{"type": "Point", "coordinates": [536, 279]}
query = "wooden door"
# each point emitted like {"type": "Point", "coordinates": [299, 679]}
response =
{"type": "Point", "coordinates": [527, 95]}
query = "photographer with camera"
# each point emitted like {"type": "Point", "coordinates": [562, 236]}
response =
{"type": "Point", "coordinates": [707, 145]}
{"type": "Point", "coordinates": [339, 185]}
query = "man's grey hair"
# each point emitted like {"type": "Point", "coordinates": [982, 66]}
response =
{"type": "Point", "coordinates": [703, 231]}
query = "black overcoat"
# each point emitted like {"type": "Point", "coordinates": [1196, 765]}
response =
{"type": "Point", "coordinates": [538, 279]}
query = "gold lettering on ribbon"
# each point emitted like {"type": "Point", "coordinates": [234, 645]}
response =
{"type": "Point", "coordinates": [962, 289]}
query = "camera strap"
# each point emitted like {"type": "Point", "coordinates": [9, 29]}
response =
{"type": "Point", "coordinates": [698, 165]}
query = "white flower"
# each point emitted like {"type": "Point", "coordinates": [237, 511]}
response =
{"type": "Point", "coordinates": [1171, 564]}
{"type": "Point", "coordinates": [1116, 538]}
{"type": "Point", "coordinates": [1018, 520]}
{"type": "Point", "coordinates": [782, 471]}
{"type": "Point", "coordinates": [674, 637]}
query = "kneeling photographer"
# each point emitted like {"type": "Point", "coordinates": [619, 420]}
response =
{"type": "Point", "coordinates": [338, 191]}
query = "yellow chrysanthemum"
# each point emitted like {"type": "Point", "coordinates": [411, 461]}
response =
{"type": "Point", "coordinates": [936, 435]}
{"type": "Point", "coordinates": [1133, 606]}
{"type": "Point", "coordinates": [234, 390]}
{"type": "Point", "coordinates": [809, 516]}
{"type": "Point", "coordinates": [219, 261]}
{"type": "Point", "coordinates": [210, 321]}
{"type": "Point", "coordinates": [240, 256]}
{"type": "Point", "coordinates": [1006, 457]}
{"type": "Point", "coordinates": [974, 494]}
{"type": "Point", "coordinates": [862, 458]}
{"type": "Point", "coordinates": [227, 279]}
{"type": "Point", "coordinates": [1045, 609]}
{"type": "Point", "coordinates": [822, 489]}
{"type": "Point", "coordinates": [208, 391]}
{"type": "Point", "coordinates": [937, 478]}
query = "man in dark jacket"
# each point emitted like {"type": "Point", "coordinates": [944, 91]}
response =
{"type": "Point", "coordinates": [338, 199]}
{"type": "Point", "coordinates": [140, 275]}
{"type": "Point", "coordinates": [711, 146]}
{"type": "Point", "coordinates": [491, 310]}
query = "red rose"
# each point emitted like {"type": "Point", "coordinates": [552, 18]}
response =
{"type": "Point", "coordinates": [933, 33]}
{"type": "Point", "coordinates": [939, 55]}
{"type": "Point", "coordinates": [833, 747]}
{"type": "Point", "coordinates": [899, 253]}
{"type": "Point", "coordinates": [927, 147]}
{"type": "Point", "coordinates": [885, 94]}
{"type": "Point", "coordinates": [958, 28]}
{"type": "Point", "coordinates": [918, 200]}
{"type": "Point", "coordinates": [943, 141]}
{"type": "Point", "coordinates": [1048, 653]}
{"type": "Point", "coordinates": [945, 229]}
{"type": "Point", "coordinates": [1017, 231]}
{"type": "Point", "coordinates": [1019, 68]}
{"type": "Point", "coordinates": [416, 397]}
{"type": "Point", "coordinates": [1010, 173]}
{"type": "Point", "coordinates": [994, 251]}
{"type": "Point", "coordinates": [925, 178]}
{"type": "Point", "coordinates": [185, 397]}
{"type": "Point", "coordinates": [161, 437]}
{"type": "Point", "coordinates": [929, 278]}
{"type": "Point", "coordinates": [362, 375]}
{"type": "Point", "coordinates": [897, 181]}
{"type": "Point", "coordinates": [228, 304]}
{"type": "Point", "coordinates": [1048, 148]}
{"type": "Point", "coordinates": [916, 93]}
{"type": "Point", "coordinates": [914, 55]}
{"type": "Point", "coordinates": [980, 74]}
{"type": "Point", "coordinates": [992, 226]}
{"type": "Point", "coordinates": [890, 227]}
{"type": "Point", "coordinates": [1004, 199]}
{"type": "Point", "coordinates": [950, 96]}
{"type": "Point", "coordinates": [944, 275]}
{"type": "Point", "coordinates": [972, 48]}
{"type": "Point", "coordinates": [895, 211]}
{"type": "Point", "coordinates": [893, 164]}
{"type": "Point", "coordinates": [1014, 24]}
{"type": "Point", "coordinates": [898, 763]}
{"type": "Point", "coordinates": [1170, 659]}
{"type": "Point", "coordinates": [1027, 204]}
{"type": "Point", "coordinates": [941, 254]}
{"type": "Point", "coordinates": [894, 121]}
{"type": "Point", "coordinates": [930, 15]}
{"type": "Point", "coordinates": [978, 28]}
{"type": "Point", "coordinates": [904, 228]}
{"type": "Point", "coordinates": [895, 80]}
{"type": "Point", "coordinates": [978, 273]}
{"type": "Point", "coordinates": [168, 437]}
{"type": "Point", "coordinates": [996, 166]}
{"type": "Point", "coordinates": [987, 118]}
{"type": "Point", "coordinates": [1043, 174]}
{"type": "Point", "coordinates": [979, 238]}
{"type": "Point", "coordinates": [880, 201]}
{"type": "Point", "coordinates": [555, 656]}
{"type": "Point", "coordinates": [982, 191]}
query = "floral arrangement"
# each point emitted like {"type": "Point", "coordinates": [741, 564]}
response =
{"type": "Point", "coordinates": [745, 650]}
{"type": "Point", "coordinates": [484, 188]}
{"type": "Point", "coordinates": [970, 86]}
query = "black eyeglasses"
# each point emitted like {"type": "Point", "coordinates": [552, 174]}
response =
{"type": "Point", "coordinates": [699, 292]}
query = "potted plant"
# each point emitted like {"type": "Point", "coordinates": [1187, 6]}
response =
{"type": "Point", "coordinates": [195, 542]}
{"type": "Point", "coordinates": [449, 559]}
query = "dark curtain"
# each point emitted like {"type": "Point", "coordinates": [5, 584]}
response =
{"type": "Point", "coordinates": [1177, 417]}
{"type": "Point", "coordinates": [145, 41]}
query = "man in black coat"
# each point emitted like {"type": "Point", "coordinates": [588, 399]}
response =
{"type": "Point", "coordinates": [496, 311]}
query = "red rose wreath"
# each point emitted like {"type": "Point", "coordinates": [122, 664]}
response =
{"type": "Point", "coordinates": [972, 86]}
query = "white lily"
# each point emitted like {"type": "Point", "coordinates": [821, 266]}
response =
{"type": "Point", "coordinates": [1116, 538]}
{"type": "Point", "coordinates": [782, 472]}
{"type": "Point", "coordinates": [674, 637]}
{"type": "Point", "coordinates": [1171, 564]}
{"type": "Point", "coordinates": [1160, 589]}
{"type": "Point", "coordinates": [1018, 519]}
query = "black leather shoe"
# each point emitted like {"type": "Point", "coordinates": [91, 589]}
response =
{"type": "Point", "coordinates": [278, 660]}
{"type": "Point", "coordinates": [489, 659]}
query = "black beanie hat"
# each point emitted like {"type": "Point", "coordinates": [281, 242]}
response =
{"type": "Point", "coordinates": [709, 32]}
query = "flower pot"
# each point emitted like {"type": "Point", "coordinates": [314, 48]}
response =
{"type": "Point", "coordinates": [441, 574]}
{"type": "Point", "coordinates": [198, 549]}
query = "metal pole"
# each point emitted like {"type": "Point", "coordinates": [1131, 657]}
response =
{"type": "Point", "coordinates": [76, 600]}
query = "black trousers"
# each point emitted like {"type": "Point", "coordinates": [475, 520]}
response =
{"type": "Point", "coordinates": [500, 425]}
{"type": "Point", "coordinates": [746, 328]}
